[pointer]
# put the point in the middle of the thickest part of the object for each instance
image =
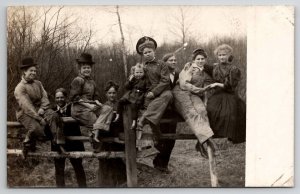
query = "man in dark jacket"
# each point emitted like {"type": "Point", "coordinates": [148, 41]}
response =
{"type": "Point", "coordinates": [70, 129]}
{"type": "Point", "coordinates": [165, 146]}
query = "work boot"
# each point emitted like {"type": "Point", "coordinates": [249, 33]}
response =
{"type": "Point", "coordinates": [97, 147]}
{"type": "Point", "coordinates": [200, 148]}
{"type": "Point", "coordinates": [28, 145]}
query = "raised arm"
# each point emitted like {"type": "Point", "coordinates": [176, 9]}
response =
{"type": "Point", "coordinates": [129, 83]}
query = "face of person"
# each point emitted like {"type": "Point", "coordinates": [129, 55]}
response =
{"type": "Point", "coordinates": [148, 54]}
{"type": "Point", "coordinates": [85, 70]}
{"type": "Point", "coordinates": [223, 56]}
{"type": "Point", "coordinates": [30, 73]}
{"type": "Point", "coordinates": [111, 94]}
{"type": "Point", "coordinates": [138, 73]}
{"type": "Point", "coordinates": [60, 99]}
{"type": "Point", "coordinates": [200, 60]}
{"type": "Point", "coordinates": [172, 62]}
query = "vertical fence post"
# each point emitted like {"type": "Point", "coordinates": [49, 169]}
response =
{"type": "Point", "coordinates": [130, 148]}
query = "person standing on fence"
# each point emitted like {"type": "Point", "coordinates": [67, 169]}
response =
{"type": "Point", "coordinates": [34, 111]}
{"type": "Point", "coordinates": [165, 146]}
{"type": "Point", "coordinates": [226, 111]}
{"type": "Point", "coordinates": [112, 171]}
{"type": "Point", "coordinates": [188, 102]}
{"type": "Point", "coordinates": [159, 96]}
{"type": "Point", "coordinates": [70, 129]}
{"type": "Point", "coordinates": [86, 107]}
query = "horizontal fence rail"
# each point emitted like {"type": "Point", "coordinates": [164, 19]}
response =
{"type": "Point", "coordinates": [77, 154]}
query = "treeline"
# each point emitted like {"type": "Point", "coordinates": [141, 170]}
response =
{"type": "Point", "coordinates": [55, 45]}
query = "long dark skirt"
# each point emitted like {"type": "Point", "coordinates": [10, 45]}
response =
{"type": "Point", "coordinates": [227, 116]}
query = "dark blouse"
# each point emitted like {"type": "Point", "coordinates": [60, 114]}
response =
{"type": "Point", "coordinates": [83, 88]}
{"type": "Point", "coordinates": [227, 74]}
{"type": "Point", "coordinates": [138, 84]}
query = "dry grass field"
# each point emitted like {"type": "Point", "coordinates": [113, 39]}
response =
{"type": "Point", "coordinates": [188, 168]}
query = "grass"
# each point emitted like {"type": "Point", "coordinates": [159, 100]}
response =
{"type": "Point", "coordinates": [188, 168]}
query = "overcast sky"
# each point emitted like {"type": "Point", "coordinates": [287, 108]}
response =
{"type": "Point", "coordinates": [158, 21]}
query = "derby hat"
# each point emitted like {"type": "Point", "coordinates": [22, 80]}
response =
{"type": "Point", "coordinates": [85, 58]}
{"type": "Point", "coordinates": [27, 62]}
{"type": "Point", "coordinates": [145, 42]}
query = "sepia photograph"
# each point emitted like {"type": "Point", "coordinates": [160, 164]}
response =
{"type": "Point", "coordinates": [128, 96]}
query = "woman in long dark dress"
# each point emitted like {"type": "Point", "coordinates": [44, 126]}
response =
{"type": "Point", "coordinates": [112, 172]}
{"type": "Point", "coordinates": [226, 111]}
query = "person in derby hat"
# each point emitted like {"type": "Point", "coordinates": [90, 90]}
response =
{"type": "Point", "coordinates": [85, 58]}
{"type": "Point", "coordinates": [27, 62]}
{"type": "Point", "coordinates": [34, 111]}
{"type": "Point", "coordinates": [84, 95]}
{"type": "Point", "coordinates": [158, 96]}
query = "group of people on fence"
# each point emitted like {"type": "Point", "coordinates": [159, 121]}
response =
{"type": "Point", "coordinates": [203, 94]}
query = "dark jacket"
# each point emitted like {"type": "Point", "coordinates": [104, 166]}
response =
{"type": "Point", "coordinates": [70, 129]}
{"type": "Point", "coordinates": [83, 88]}
{"type": "Point", "coordinates": [136, 90]}
{"type": "Point", "coordinates": [176, 76]}
{"type": "Point", "coordinates": [158, 74]}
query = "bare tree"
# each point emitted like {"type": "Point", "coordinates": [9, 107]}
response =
{"type": "Point", "coordinates": [180, 23]}
{"type": "Point", "coordinates": [122, 41]}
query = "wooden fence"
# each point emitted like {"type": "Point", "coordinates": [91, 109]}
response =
{"type": "Point", "coordinates": [130, 153]}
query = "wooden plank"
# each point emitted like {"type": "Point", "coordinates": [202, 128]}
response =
{"type": "Point", "coordinates": [69, 120]}
{"type": "Point", "coordinates": [146, 136]}
{"type": "Point", "coordinates": [130, 149]}
{"type": "Point", "coordinates": [48, 154]}
{"type": "Point", "coordinates": [16, 124]}
{"type": "Point", "coordinates": [212, 167]}
{"type": "Point", "coordinates": [74, 138]}
{"type": "Point", "coordinates": [170, 136]}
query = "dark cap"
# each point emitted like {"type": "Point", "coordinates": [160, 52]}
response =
{"type": "Point", "coordinates": [145, 42]}
{"type": "Point", "coordinates": [199, 51]}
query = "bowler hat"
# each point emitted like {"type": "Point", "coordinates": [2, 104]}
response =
{"type": "Point", "coordinates": [85, 58]}
{"type": "Point", "coordinates": [145, 42]}
{"type": "Point", "coordinates": [27, 62]}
